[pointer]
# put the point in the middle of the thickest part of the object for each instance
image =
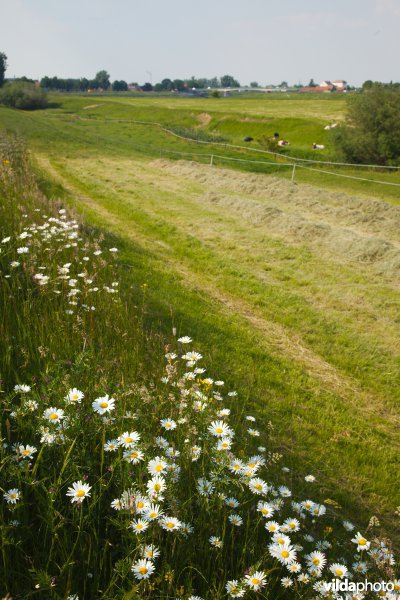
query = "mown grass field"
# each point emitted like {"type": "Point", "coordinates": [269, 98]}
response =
{"type": "Point", "coordinates": [293, 291]}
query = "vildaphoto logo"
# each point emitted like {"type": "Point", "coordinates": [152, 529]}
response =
{"type": "Point", "coordinates": [345, 585]}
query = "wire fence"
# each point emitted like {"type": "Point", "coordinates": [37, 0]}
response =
{"type": "Point", "coordinates": [291, 162]}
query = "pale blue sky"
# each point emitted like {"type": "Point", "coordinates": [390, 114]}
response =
{"type": "Point", "coordinates": [262, 40]}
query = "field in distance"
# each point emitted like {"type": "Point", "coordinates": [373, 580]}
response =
{"type": "Point", "coordinates": [291, 290]}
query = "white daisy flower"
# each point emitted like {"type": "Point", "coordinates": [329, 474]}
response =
{"type": "Point", "coordinates": [168, 424]}
{"type": "Point", "coordinates": [150, 551]}
{"type": "Point", "coordinates": [153, 512]}
{"type": "Point", "coordinates": [185, 339]}
{"type": "Point", "coordinates": [133, 455]}
{"type": "Point", "coordinates": [309, 478]}
{"type": "Point", "coordinates": [362, 543]}
{"type": "Point", "coordinates": [74, 396]}
{"type": "Point", "coordinates": [111, 445]}
{"type": "Point", "coordinates": [156, 466]}
{"type": "Point", "coordinates": [236, 520]}
{"type": "Point", "coordinates": [231, 502]}
{"type": "Point", "coordinates": [285, 553]}
{"type": "Point", "coordinates": [170, 523]}
{"type": "Point", "coordinates": [256, 581]}
{"type": "Point", "coordinates": [54, 415]}
{"type": "Point", "coordinates": [128, 439]}
{"type": "Point", "coordinates": [143, 568]}
{"type": "Point", "coordinates": [338, 570]}
{"type": "Point", "coordinates": [139, 525]}
{"type": "Point", "coordinates": [12, 496]}
{"type": "Point", "coordinates": [156, 486]}
{"type": "Point", "coordinates": [215, 541]}
{"type": "Point", "coordinates": [22, 388]}
{"type": "Point", "coordinates": [79, 491]}
{"type": "Point", "coordinates": [26, 451]}
{"type": "Point", "coordinates": [220, 429]}
{"type": "Point", "coordinates": [265, 509]}
{"type": "Point", "coordinates": [258, 486]}
{"type": "Point", "coordinates": [103, 405]}
{"type": "Point", "coordinates": [116, 504]}
{"type": "Point", "coordinates": [316, 560]}
{"type": "Point", "coordinates": [234, 589]}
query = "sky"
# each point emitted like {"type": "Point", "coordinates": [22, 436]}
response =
{"type": "Point", "coordinates": [267, 41]}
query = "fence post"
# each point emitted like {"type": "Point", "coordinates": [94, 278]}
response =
{"type": "Point", "coordinates": [293, 172]}
{"type": "Point", "coordinates": [211, 160]}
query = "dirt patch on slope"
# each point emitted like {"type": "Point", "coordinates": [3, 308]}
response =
{"type": "Point", "coordinates": [204, 119]}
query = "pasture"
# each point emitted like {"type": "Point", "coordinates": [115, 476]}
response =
{"type": "Point", "coordinates": [290, 290]}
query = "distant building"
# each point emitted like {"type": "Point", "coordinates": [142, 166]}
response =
{"type": "Point", "coordinates": [339, 85]}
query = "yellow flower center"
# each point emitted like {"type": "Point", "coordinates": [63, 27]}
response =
{"type": "Point", "coordinates": [134, 455]}
{"type": "Point", "coordinates": [258, 486]}
{"type": "Point", "coordinates": [219, 430]}
{"type": "Point", "coordinates": [13, 496]}
{"type": "Point", "coordinates": [170, 525]}
{"type": "Point", "coordinates": [292, 525]}
{"type": "Point", "coordinates": [157, 487]}
{"type": "Point", "coordinates": [252, 465]}
{"type": "Point", "coordinates": [255, 581]}
{"type": "Point", "coordinates": [339, 572]}
{"type": "Point", "coordinates": [25, 452]}
{"type": "Point", "coordinates": [362, 542]}
{"type": "Point", "coordinates": [159, 468]}
{"type": "Point", "coordinates": [75, 397]}
{"type": "Point", "coordinates": [281, 541]}
{"type": "Point", "coordinates": [54, 416]}
{"type": "Point", "coordinates": [80, 493]}
{"type": "Point", "coordinates": [104, 405]}
{"type": "Point", "coordinates": [140, 504]}
{"type": "Point", "coordinates": [143, 570]}
{"type": "Point", "coordinates": [139, 526]}
{"type": "Point", "coordinates": [128, 440]}
{"type": "Point", "coordinates": [285, 554]}
{"type": "Point", "coordinates": [153, 515]}
{"type": "Point", "coordinates": [316, 561]}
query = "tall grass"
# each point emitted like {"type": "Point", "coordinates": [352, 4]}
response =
{"type": "Point", "coordinates": [99, 433]}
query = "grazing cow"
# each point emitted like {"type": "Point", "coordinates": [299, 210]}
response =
{"type": "Point", "coordinates": [283, 143]}
{"type": "Point", "coordinates": [318, 146]}
{"type": "Point", "coordinates": [248, 139]}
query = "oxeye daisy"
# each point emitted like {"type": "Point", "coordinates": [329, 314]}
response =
{"type": "Point", "coordinates": [285, 553]}
{"type": "Point", "coordinates": [220, 429]}
{"type": "Point", "coordinates": [128, 439]}
{"type": "Point", "coordinates": [309, 478]}
{"type": "Point", "coordinates": [234, 589]}
{"type": "Point", "coordinates": [272, 526]}
{"type": "Point", "coordinates": [231, 502]}
{"type": "Point", "coordinates": [111, 445]}
{"type": "Point", "coordinates": [103, 405]}
{"type": "Point", "coordinates": [215, 541]}
{"type": "Point", "coordinates": [292, 524]}
{"type": "Point", "coordinates": [286, 582]}
{"type": "Point", "coordinates": [74, 396]}
{"type": "Point", "coordinates": [258, 486]}
{"type": "Point", "coordinates": [236, 466]}
{"type": "Point", "coordinates": [141, 504]}
{"type": "Point", "coordinates": [316, 560]}
{"type": "Point", "coordinates": [54, 415]}
{"type": "Point", "coordinates": [362, 543]}
{"type": "Point", "coordinates": [139, 525]}
{"type": "Point", "coordinates": [150, 551]}
{"type": "Point", "coordinates": [185, 339]}
{"type": "Point", "coordinates": [153, 512]}
{"type": "Point", "coordinates": [156, 486]}
{"type": "Point", "coordinates": [236, 520]}
{"type": "Point", "coordinates": [79, 491]}
{"type": "Point", "coordinates": [338, 570]}
{"type": "Point", "coordinates": [168, 424]}
{"type": "Point", "coordinates": [224, 444]}
{"type": "Point", "coordinates": [26, 451]}
{"type": "Point", "coordinates": [265, 509]}
{"type": "Point", "coordinates": [116, 504]}
{"type": "Point", "coordinates": [156, 466]}
{"type": "Point", "coordinates": [170, 523]}
{"type": "Point", "coordinates": [12, 496]}
{"type": "Point", "coordinates": [142, 569]}
{"type": "Point", "coordinates": [133, 456]}
{"type": "Point", "coordinates": [256, 581]}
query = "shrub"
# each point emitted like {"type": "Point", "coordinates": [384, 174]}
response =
{"type": "Point", "coordinates": [372, 132]}
{"type": "Point", "coordinates": [23, 95]}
